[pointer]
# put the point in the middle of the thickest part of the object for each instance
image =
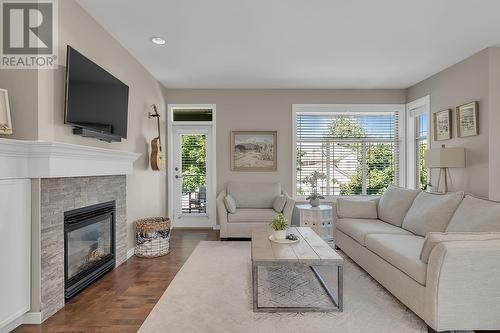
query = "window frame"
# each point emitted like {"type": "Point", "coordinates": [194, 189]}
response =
{"type": "Point", "coordinates": [343, 108]}
{"type": "Point", "coordinates": [415, 109]}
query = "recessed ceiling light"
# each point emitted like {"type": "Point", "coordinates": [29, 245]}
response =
{"type": "Point", "coordinates": [158, 40]}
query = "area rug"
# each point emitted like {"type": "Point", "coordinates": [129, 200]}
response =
{"type": "Point", "coordinates": [213, 293]}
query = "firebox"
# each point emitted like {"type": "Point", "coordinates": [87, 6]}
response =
{"type": "Point", "coordinates": [89, 245]}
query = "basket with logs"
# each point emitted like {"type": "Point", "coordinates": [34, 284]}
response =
{"type": "Point", "coordinates": [152, 237]}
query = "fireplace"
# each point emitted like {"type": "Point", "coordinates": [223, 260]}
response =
{"type": "Point", "coordinates": [89, 245]}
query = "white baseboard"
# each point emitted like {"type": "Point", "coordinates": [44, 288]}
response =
{"type": "Point", "coordinates": [18, 320]}
{"type": "Point", "coordinates": [130, 253]}
{"type": "Point", "coordinates": [216, 227]}
{"type": "Point", "coordinates": [32, 318]}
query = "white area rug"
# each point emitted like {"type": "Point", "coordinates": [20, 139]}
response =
{"type": "Point", "coordinates": [213, 293]}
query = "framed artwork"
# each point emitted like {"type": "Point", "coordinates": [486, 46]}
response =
{"type": "Point", "coordinates": [5, 121]}
{"type": "Point", "coordinates": [442, 125]}
{"type": "Point", "coordinates": [253, 150]}
{"type": "Point", "coordinates": [468, 120]}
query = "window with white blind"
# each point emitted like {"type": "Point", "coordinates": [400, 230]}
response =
{"type": "Point", "coordinates": [352, 149]}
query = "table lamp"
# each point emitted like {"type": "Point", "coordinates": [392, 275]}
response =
{"type": "Point", "coordinates": [444, 158]}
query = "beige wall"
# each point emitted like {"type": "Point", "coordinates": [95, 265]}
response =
{"type": "Point", "coordinates": [146, 189]}
{"type": "Point", "coordinates": [464, 82]}
{"type": "Point", "coordinates": [494, 123]}
{"type": "Point", "coordinates": [23, 98]}
{"type": "Point", "coordinates": [268, 110]}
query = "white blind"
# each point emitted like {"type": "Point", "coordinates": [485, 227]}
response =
{"type": "Point", "coordinates": [355, 152]}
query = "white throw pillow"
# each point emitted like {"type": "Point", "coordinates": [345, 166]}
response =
{"type": "Point", "coordinates": [476, 215]}
{"type": "Point", "coordinates": [279, 203]}
{"type": "Point", "coordinates": [394, 204]}
{"type": "Point", "coordinates": [230, 203]}
{"type": "Point", "coordinates": [431, 212]}
{"type": "Point", "coordinates": [434, 238]}
{"type": "Point", "coordinates": [356, 209]}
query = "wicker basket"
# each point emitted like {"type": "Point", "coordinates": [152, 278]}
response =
{"type": "Point", "coordinates": [152, 237]}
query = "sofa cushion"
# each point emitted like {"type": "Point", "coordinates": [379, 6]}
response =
{"type": "Point", "coordinates": [361, 209]}
{"type": "Point", "coordinates": [358, 229]}
{"type": "Point", "coordinates": [279, 203]}
{"type": "Point", "coordinates": [431, 212]}
{"type": "Point", "coordinates": [230, 203]}
{"type": "Point", "coordinates": [254, 195]}
{"type": "Point", "coordinates": [252, 215]}
{"type": "Point", "coordinates": [401, 251]}
{"type": "Point", "coordinates": [476, 215]}
{"type": "Point", "coordinates": [434, 238]}
{"type": "Point", "coordinates": [394, 204]}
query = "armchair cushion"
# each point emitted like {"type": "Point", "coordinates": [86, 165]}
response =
{"type": "Point", "coordinates": [361, 209]}
{"type": "Point", "coordinates": [475, 214]}
{"type": "Point", "coordinates": [394, 204]}
{"type": "Point", "coordinates": [251, 215]}
{"type": "Point", "coordinates": [431, 212]}
{"type": "Point", "coordinates": [279, 203]}
{"type": "Point", "coordinates": [230, 203]}
{"type": "Point", "coordinates": [254, 195]}
{"type": "Point", "coordinates": [434, 238]}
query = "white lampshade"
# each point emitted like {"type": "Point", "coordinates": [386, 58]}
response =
{"type": "Point", "coordinates": [445, 157]}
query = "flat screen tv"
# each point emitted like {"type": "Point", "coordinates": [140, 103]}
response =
{"type": "Point", "coordinates": [96, 101]}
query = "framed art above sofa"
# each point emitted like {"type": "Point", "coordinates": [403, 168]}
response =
{"type": "Point", "coordinates": [253, 150]}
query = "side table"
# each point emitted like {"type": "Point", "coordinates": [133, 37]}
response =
{"type": "Point", "coordinates": [320, 219]}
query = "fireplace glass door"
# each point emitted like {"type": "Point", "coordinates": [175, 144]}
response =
{"type": "Point", "coordinates": [88, 246]}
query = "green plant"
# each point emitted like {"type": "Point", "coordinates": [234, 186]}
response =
{"type": "Point", "coordinates": [313, 181]}
{"type": "Point", "coordinates": [279, 223]}
{"type": "Point", "coordinates": [315, 196]}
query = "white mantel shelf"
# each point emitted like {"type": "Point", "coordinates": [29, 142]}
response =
{"type": "Point", "coordinates": [48, 159]}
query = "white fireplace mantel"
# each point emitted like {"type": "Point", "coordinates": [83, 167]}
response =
{"type": "Point", "coordinates": [48, 159]}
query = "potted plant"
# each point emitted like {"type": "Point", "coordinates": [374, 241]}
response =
{"type": "Point", "coordinates": [313, 181]}
{"type": "Point", "coordinates": [279, 225]}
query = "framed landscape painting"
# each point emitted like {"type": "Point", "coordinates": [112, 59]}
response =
{"type": "Point", "coordinates": [442, 125]}
{"type": "Point", "coordinates": [253, 150]}
{"type": "Point", "coordinates": [467, 120]}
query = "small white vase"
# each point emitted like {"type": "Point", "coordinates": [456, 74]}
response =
{"type": "Point", "coordinates": [314, 202]}
{"type": "Point", "coordinates": [279, 234]}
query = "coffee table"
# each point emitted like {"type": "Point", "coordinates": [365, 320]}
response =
{"type": "Point", "coordinates": [311, 251]}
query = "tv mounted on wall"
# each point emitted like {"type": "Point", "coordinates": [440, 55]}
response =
{"type": "Point", "coordinates": [96, 101]}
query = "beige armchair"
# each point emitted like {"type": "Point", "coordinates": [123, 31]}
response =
{"type": "Point", "coordinates": [254, 207]}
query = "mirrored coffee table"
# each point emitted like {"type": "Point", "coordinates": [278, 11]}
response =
{"type": "Point", "coordinates": [311, 252]}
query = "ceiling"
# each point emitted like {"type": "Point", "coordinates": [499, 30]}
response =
{"type": "Point", "coordinates": [299, 43]}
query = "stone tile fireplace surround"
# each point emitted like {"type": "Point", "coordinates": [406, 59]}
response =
{"type": "Point", "coordinates": [63, 194]}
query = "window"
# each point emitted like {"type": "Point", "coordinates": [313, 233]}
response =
{"type": "Point", "coordinates": [421, 124]}
{"type": "Point", "coordinates": [418, 142]}
{"type": "Point", "coordinates": [351, 149]}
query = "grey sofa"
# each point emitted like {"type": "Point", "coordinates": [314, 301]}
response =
{"type": "Point", "coordinates": [254, 207]}
{"type": "Point", "coordinates": [438, 254]}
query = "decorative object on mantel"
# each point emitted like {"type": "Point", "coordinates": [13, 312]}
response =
{"type": "Point", "coordinates": [152, 237]}
{"type": "Point", "coordinates": [279, 225]}
{"type": "Point", "coordinates": [254, 150]}
{"type": "Point", "coordinates": [157, 154]}
{"type": "Point", "coordinates": [444, 158]}
{"type": "Point", "coordinates": [442, 125]}
{"type": "Point", "coordinates": [314, 197]}
{"type": "Point", "coordinates": [5, 121]}
{"type": "Point", "coordinates": [468, 120]}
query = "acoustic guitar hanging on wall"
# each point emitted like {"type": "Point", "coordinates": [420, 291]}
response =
{"type": "Point", "coordinates": [157, 154]}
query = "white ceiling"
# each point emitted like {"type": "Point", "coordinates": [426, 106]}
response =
{"type": "Point", "coordinates": [299, 43]}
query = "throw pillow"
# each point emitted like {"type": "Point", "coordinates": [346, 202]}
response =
{"type": "Point", "coordinates": [394, 204]}
{"type": "Point", "coordinates": [475, 214]}
{"type": "Point", "coordinates": [279, 203]}
{"type": "Point", "coordinates": [431, 212]}
{"type": "Point", "coordinates": [230, 203]}
{"type": "Point", "coordinates": [356, 209]}
{"type": "Point", "coordinates": [434, 238]}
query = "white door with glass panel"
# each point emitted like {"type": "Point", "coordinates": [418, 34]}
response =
{"type": "Point", "coordinates": [193, 204]}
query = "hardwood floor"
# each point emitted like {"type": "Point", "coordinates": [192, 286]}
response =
{"type": "Point", "coordinates": [121, 300]}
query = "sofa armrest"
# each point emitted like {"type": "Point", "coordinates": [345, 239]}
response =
{"type": "Point", "coordinates": [289, 206]}
{"type": "Point", "coordinates": [463, 286]}
{"type": "Point", "coordinates": [222, 214]}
